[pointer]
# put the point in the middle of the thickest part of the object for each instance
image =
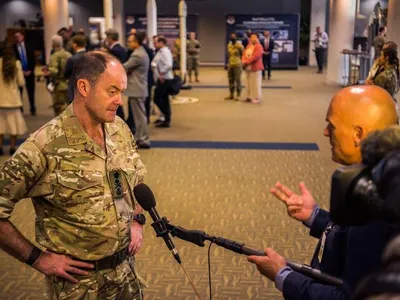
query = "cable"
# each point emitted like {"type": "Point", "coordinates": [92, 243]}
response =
{"type": "Point", "coordinates": [209, 268]}
{"type": "Point", "coordinates": [191, 283]}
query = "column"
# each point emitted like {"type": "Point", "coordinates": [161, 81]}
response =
{"type": "Point", "coordinates": [341, 36]}
{"type": "Point", "coordinates": [393, 23]}
{"type": "Point", "coordinates": [108, 13]}
{"type": "Point", "coordinates": [151, 10]}
{"type": "Point", "coordinates": [119, 21]}
{"type": "Point", "coordinates": [318, 18]}
{"type": "Point", "coordinates": [182, 36]}
{"type": "Point", "coordinates": [55, 16]}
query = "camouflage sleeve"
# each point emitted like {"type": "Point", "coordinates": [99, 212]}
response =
{"type": "Point", "coordinates": [53, 65]}
{"type": "Point", "coordinates": [18, 175]}
{"type": "Point", "coordinates": [380, 80]}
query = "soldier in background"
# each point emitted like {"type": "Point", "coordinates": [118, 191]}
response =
{"type": "Point", "coordinates": [55, 71]}
{"type": "Point", "coordinates": [235, 52]}
{"type": "Point", "coordinates": [193, 50]}
{"type": "Point", "coordinates": [80, 170]}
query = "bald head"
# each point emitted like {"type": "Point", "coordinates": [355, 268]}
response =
{"type": "Point", "coordinates": [355, 112]}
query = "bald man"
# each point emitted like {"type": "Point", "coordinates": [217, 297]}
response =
{"type": "Point", "coordinates": [345, 252]}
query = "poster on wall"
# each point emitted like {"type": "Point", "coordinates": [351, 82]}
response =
{"type": "Point", "coordinates": [283, 28]}
{"type": "Point", "coordinates": [167, 25]}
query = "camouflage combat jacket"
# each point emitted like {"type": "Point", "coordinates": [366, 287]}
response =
{"type": "Point", "coordinates": [58, 61]}
{"type": "Point", "coordinates": [193, 48]}
{"type": "Point", "coordinates": [389, 81]}
{"type": "Point", "coordinates": [83, 197]}
{"type": "Point", "coordinates": [235, 52]}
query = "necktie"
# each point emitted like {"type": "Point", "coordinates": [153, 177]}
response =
{"type": "Point", "coordinates": [266, 44]}
{"type": "Point", "coordinates": [24, 60]}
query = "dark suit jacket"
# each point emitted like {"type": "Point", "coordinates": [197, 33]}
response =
{"type": "Point", "coordinates": [350, 253]}
{"type": "Point", "coordinates": [150, 53]}
{"type": "Point", "coordinates": [69, 67]}
{"type": "Point", "coordinates": [30, 56]}
{"type": "Point", "coordinates": [119, 52]}
{"type": "Point", "coordinates": [271, 45]}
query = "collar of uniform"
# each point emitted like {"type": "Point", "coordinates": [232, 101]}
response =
{"type": "Point", "coordinates": [73, 129]}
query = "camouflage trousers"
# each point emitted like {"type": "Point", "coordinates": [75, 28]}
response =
{"type": "Point", "coordinates": [121, 283]}
{"type": "Point", "coordinates": [193, 65]}
{"type": "Point", "coordinates": [235, 79]}
{"type": "Point", "coordinates": [59, 101]}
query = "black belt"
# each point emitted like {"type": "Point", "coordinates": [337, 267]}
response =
{"type": "Point", "coordinates": [109, 262]}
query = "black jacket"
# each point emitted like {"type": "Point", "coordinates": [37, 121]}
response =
{"type": "Point", "coordinates": [30, 56]}
{"type": "Point", "coordinates": [119, 52]}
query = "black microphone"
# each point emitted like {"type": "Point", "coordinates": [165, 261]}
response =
{"type": "Point", "coordinates": [145, 198]}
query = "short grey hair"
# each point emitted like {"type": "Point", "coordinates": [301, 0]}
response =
{"type": "Point", "coordinates": [112, 34]}
{"type": "Point", "coordinates": [57, 41]}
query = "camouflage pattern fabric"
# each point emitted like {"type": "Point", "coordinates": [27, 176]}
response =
{"type": "Point", "coordinates": [193, 66]}
{"type": "Point", "coordinates": [119, 283]}
{"type": "Point", "coordinates": [235, 52]}
{"type": "Point", "coordinates": [82, 209]}
{"type": "Point", "coordinates": [193, 48]}
{"type": "Point", "coordinates": [58, 61]}
{"type": "Point", "coordinates": [60, 99]}
{"type": "Point", "coordinates": [389, 81]}
{"type": "Point", "coordinates": [235, 82]}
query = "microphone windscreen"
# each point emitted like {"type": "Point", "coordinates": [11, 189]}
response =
{"type": "Point", "coordinates": [144, 196]}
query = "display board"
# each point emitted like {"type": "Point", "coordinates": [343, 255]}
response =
{"type": "Point", "coordinates": [284, 29]}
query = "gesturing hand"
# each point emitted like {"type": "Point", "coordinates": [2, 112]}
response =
{"type": "Point", "coordinates": [61, 266]}
{"type": "Point", "coordinates": [299, 207]}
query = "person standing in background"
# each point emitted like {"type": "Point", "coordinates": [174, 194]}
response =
{"type": "Point", "coordinates": [321, 44]}
{"type": "Point", "coordinates": [55, 71]}
{"type": "Point", "coordinates": [268, 44]}
{"type": "Point", "coordinates": [253, 65]}
{"type": "Point", "coordinates": [25, 55]}
{"type": "Point", "coordinates": [193, 50]}
{"type": "Point", "coordinates": [79, 48]}
{"type": "Point", "coordinates": [235, 52]}
{"type": "Point", "coordinates": [115, 48]}
{"type": "Point", "coordinates": [379, 41]}
{"type": "Point", "coordinates": [11, 79]}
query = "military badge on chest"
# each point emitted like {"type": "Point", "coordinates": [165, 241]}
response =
{"type": "Point", "coordinates": [117, 184]}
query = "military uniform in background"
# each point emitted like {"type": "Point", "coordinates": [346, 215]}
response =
{"type": "Point", "coordinates": [83, 199]}
{"type": "Point", "coordinates": [235, 51]}
{"type": "Point", "coordinates": [388, 80]}
{"type": "Point", "coordinates": [176, 54]}
{"type": "Point", "coordinates": [58, 61]}
{"type": "Point", "coordinates": [193, 57]}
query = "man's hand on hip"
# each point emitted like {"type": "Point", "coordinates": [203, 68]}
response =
{"type": "Point", "coordinates": [299, 207]}
{"type": "Point", "coordinates": [61, 266]}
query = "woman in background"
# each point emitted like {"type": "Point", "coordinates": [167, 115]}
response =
{"type": "Point", "coordinates": [253, 65]}
{"type": "Point", "coordinates": [11, 79]}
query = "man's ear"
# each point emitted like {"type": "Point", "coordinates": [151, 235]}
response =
{"type": "Point", "coordinates": [358, 135]}
{"type": "Point", "coordinates": [83, 87]}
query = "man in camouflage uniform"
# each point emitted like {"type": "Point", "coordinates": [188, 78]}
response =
{"type": "Point", "coordinates": [235, 51]}
{"type": "Point", "coordinates": [58, 61]}
{"type": "Point", "coordinates": [80, 170]}
{"type": "Point", "coordinates": [193, 52]}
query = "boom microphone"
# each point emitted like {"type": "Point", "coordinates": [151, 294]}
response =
{"type": "Point", "coordinates": [145, 198]}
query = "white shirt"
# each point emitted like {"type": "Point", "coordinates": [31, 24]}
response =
{"type": "Point", "coordinates": [162, 64]}
{"type": "Point", "coordinates": [321, 41]}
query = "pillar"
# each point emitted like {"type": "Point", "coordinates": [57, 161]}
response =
{"type": "Point", "coordinates": [318, 18]}
{"type": "Point", "coordinates": [151, 10]}
{"type": "Point", "coordinates": [341, 36]}
{"type": "Point", "coordinates": [55, 16]}
{"type": "Point", "coordinates": [119, 22]}
{"type": "Point", "coordinates": [108, 13]}
{"type": "Point", "coordinates": [393, 21]}
{"type": "Point", "coordinates": [182, 36]}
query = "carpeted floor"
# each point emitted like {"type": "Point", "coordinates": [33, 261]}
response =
{"type": "Point", "coordinates": [224, 192]}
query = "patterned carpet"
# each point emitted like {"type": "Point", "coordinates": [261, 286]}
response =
{"type": "Point", "coordinates": [223, 192]}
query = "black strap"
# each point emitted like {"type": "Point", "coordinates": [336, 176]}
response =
{"type": "Point", "coordinates": [33, 256]}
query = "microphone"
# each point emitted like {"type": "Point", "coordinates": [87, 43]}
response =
{"type": "Point", "coordinates": [145, 198]}
{"type": "Point", "coordinates": [198, 237]}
